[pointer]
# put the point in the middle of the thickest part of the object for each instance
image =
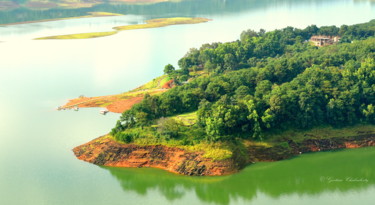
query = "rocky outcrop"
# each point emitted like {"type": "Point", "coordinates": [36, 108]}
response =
{"type": "Point", "coordinates": [289, 148]}
{"type": "Point", "coordinates": [313, 145]}
{"type": "Point", "coordinates": [108, 152]}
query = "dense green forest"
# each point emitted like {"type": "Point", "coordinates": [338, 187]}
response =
{"type": "Point", "coordinates": [262, 82]}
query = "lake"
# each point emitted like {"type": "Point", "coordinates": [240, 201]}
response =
{"type": "Point", "coordinates": [36, 76]}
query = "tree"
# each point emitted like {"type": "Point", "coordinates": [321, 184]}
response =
{"type": "Point", "coordinates": [254, 119]}
{"type": "Point", "coordinates": [366, 72]}
{"type": "Point", "coordinates": [287, 84]}
{"type": "Point", "coordinates": [118, 128]}
{"type": "Point", "coordinates": [229, 62]}
{"type": "Point", "coordinates": [369, 113]}
{"type": "Point", "coordinates": [225, 117]}
{"type": "Point", "coordinates": [242, 91]}
{"type": "Point", "coordinates": [168, 127]}
{"type": "Point", "coordinates": [142, 119]}
{"type": "Point", "coordinates": [311, 30]}
{"type": "Point", "coordinates": [329, 30]}
{"type": "Point", "coordinates": [263, 88]}
{"type": "Point", "coordinates": [169, 69]}
{"type": "Point", "coordinates": [248, 34]}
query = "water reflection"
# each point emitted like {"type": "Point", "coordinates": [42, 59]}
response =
{"type": "Point", "coordinates": [68, 26]}
{"type": "Point", "coordinates": [311, 175]}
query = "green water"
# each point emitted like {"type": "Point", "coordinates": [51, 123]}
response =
{"type": "Point", "coordinates": [339, 177]}
{"type": "Point", "coordinates": [37, 165]}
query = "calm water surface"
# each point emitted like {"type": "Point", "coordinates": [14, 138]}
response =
{"type": "Point", "coordinates": [38, 166]}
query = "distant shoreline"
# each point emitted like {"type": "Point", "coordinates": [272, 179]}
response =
{"type": "Point", "coordinates": [152, 23]}
{"type": "Point", "coordinates": [91, 15]}
{"type": "Point", "coordinates": [48, 4]}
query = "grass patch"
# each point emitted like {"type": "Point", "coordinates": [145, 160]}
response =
{"type": "Point", "coordinates": [198, 73]}
{"type": "Point", "coordinates": [101, 14]}
{"type": "Point", "coordinates": [187, 119]}
{"type": "Point", "coordinates": [320, 133]}
{"type": "Point", "coordinates": [139, 93]}
{"type": "Point", "coordinates": [163, 81]}
{"type": "Point", "coordinates": [162, 22]}
{"type": "Point", "coordinates": [147, 137]}
{"type": "Point", "coordinates": [131, 94]}
{"type": "Point", "coordinates": [215, 151]}
{"type": "Point", "coordinates": [80, 35]}
{"type": "Point", "coordinates": [104, 104]}
{"type": "Point", "coordinates": [249, 143]}
{"type": "Point", "coordinates": [156, 83]}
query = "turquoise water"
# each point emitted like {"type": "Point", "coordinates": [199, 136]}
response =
{"type": "Point", "coordinates": [38, 166]}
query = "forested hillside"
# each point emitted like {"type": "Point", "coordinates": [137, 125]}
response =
{"type": "Point", "coordinates": [262, 82]}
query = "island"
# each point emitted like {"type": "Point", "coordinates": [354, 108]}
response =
{"type": "Point", "coordinates": [268, 96]}
{"type": "Point", "coordinates": [152, 23]}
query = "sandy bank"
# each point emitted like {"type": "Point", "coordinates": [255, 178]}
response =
{"type": "Point", "coordinates": [114, 103]}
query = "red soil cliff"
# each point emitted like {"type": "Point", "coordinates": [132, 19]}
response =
{"type": "Point", "coordinates": [108, 152]}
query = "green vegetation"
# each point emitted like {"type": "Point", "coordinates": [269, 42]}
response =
{"type": "Point", "coordinates": [323, 132]}
{"type": "Point", "coordinates": [155, 23]}
{"type": "Point", "coordinates": [156, 83]}
{"type": "Point", "coordinates": [169, 69]}
{"type": "Point", "coordinates": [102, 13]}
{"type": "Point", "coordinates": [214, 151]}
{"type": "Point", "coordinates": [187, 119]}
{"type": "Point", "coordinates": [262, 85]}
{"type": "Point", "coordinates": [80, 35]}
{"type": "Point", "coordinates": [162, 22]}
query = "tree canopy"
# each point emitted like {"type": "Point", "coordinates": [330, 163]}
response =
{"type": "Point", "coordinates": [265, 81]}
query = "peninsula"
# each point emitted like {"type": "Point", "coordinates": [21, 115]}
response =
{"type": "Point", "coordinates": [152, 23]}
{"type": "Point", "coordinates": [265, 97]}
{"type": "Point", "coordinates": [124, 101]}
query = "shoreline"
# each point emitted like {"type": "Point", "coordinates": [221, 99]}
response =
{"type": "Point", "coordinates": [91, 15]}
{"type": "Point", "coordinates": [47, 5]}
{"type": "Point", "coordinates": [105, 151]}
{"type": "Point", "coordinates": [117, 103]}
